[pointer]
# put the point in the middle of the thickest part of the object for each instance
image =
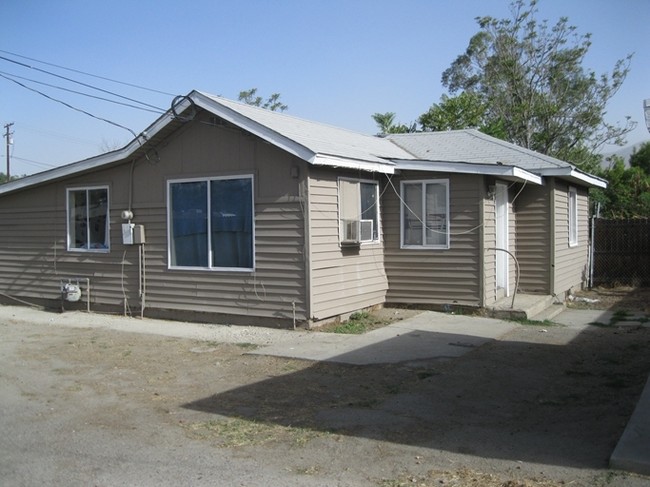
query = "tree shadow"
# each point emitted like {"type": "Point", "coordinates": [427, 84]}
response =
{"type": "Point", "coordinates": [561, 404]}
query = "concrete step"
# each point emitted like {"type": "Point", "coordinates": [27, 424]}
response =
{"type": "Point", "coordinates": [525, 306]}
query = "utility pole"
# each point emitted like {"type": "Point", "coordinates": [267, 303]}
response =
{"type": "Point", "coordinates": [9, 142]}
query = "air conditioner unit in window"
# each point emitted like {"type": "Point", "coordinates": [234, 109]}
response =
{"type": "Point", "coordinates": [366, 230]}
{"type": "Point", "coordinates": [350, 232]}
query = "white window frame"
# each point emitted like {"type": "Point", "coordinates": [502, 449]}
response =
{"type": "Point", "coordinates": [69, 239]}
{"type": "Point", "coordinates": [572, 207]}
{"type": "Point", "coordinates": [404, 209]}
{"type": "Point", "coordinates": [209, 267]}
{"type": "Point", "coordinates": [357, 211]}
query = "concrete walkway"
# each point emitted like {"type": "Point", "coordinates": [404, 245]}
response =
{"type": "Point", "coordinates": [424, 336]}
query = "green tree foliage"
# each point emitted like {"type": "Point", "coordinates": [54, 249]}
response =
{"type": "Point", "coordinates": [627, 194]}
{"type": "Point", "coordinates": [386, 124]}
{"type": "Point", "coordinates": [530, 78]}
{"type": "Point", "coordinates": [641, 157]}
{"type": "Point", "coordinates": [467, 110]}
{"type": "Point", "coordinates": [272, 103]}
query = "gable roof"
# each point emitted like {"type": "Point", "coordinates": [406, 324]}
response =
{"type": "Point", "coordinates": [462, 151]}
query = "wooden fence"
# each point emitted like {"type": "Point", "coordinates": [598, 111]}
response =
{"type": "Point", "coordinates": [621, 252]}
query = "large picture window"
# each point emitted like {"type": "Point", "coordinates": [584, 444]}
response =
{"type": "Point", "coordinates": [425, 214]}
{"type": "Point", "coordinates": [573, 217]}
{"type": "Point", "coordinates": [358, 211]}
{"type": "Point", "coordinates": [211, 223]}
{"type": "Point", "coordinates": [88, 219]}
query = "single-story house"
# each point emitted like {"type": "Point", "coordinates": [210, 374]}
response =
{"type": "Point", "coordinates": [225, 212]}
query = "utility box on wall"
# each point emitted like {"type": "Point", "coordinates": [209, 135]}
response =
{"type": "Point", "coordinates": [127, 233]}
{"type": "Point", "coordinates": [132, 234]}
{"type": "Point", "coordinates": [138, 234]}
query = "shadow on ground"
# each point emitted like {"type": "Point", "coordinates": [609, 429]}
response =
{"type": "Point", "coordinates": [560, 402]}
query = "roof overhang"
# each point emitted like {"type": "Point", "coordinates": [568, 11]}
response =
{"type": "Point", "coordinates": [92, 163]}
{"type": "Point", "coordinates": [574, 175]}
{"type": "Point", "coordinates": [335, 161]}
{"type": "Point", "coordinates": [510, 173]}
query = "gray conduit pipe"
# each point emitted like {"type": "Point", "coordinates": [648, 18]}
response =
{"type": "Point", "coordinates": [512, 306]}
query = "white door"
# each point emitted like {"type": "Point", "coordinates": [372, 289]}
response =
{"type": "Point", "coordinates": [501, 202]}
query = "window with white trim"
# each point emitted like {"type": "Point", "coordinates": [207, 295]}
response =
{"type": "Point", "coordinates": [88, 219]}
{"type": "Point", "coordinates": [358, 211]}
{"type": "Point", "coordinates": [211, 223]}
{"type": "Point", "coordinates": [573, 217]}
{"type": "Point", "coordinates": [425, 214]}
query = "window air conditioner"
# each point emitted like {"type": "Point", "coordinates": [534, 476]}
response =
{"type": "Point", "coordinates": [366, 230]}
{"type": "Point", "coordinates": [350, 229]}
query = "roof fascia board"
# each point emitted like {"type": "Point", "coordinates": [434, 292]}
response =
{"type": "Point", "coordinates": [466, 168]}
{"type": "Point", "coordinates": [252, 126]}
{"type": "Point", "coordinates": [576, 174]}
{"type": "Point", "coordinates": [91, 163]}
{"type": "Point", "coordinates": [334, 161]}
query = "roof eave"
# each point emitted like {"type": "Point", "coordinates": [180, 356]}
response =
{"type": "Point", "coordinates": [336, 161]}
{"type": "Point", "coordinates": [90, 163]}
{"type": "Point", "coordinates": [575, 175]}
{"type": "Point", "coordinates": [512, 173]}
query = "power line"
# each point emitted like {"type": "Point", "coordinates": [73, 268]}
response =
{"type": "Point", "coordinates": [15, 76]}
{"type": "Point", "coordinates": [89, 74]}
{"type": "Point", "coordinates": [80, 83]}
{"type": "Point", "coordinates": [70, 106]}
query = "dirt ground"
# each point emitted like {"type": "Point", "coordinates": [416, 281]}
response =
{"type": "Point", "coordinates": [543, 406]}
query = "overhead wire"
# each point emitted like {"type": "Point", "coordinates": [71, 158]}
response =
{"type": "Point", "coordinates": [89, 74]}
{"type": "Point", "coordinates": [70, 106]}
{"type": "Point", "coordinates": [80, 83]}
{"type": "Point", "coordinates": [15, 76]}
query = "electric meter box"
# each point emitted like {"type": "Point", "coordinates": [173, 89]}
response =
{"type": "Point", "coordinates": [138, 234]}
{"type": "Point", "coordinates": [127, 233]}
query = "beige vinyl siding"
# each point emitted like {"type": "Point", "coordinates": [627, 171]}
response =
{"type": "Point", "coordinates": [489, 256]}
{"type": "Point", "coordinates": [437, 276]}
{"type": "Point", "coordinates": [33, 230]}
{"type": "Point", "coordinates": [570, 262]}
{"type": "Point", "coordinates": [343, 280]}
{"type": "Point", "coordinates": [533, 238]}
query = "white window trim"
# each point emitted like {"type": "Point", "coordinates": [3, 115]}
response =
{"type": "Point", "coordinates": [572, 210]}
{"type": "Point", "coordinates": [404, 208]}
{"type": "Point", "coordinates": [338, 195]}
{"type": "Point", "coordinates": [108, 219]}
{"type": "Point", "coordinates": [169, 226]}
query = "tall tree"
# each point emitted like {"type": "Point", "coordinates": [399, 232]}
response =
{"type": "Point", "coordinates": [272, 103]}
{"type": "Point", "coordinates": [531, 79]}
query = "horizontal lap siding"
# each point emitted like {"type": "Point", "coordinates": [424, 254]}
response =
{"type": "Point", "coordinates": [570, 262]}
{"type": "Point", "coordinates": [342, 280]}
{"type": "Point", "coordinates": [534, 239]}
{"type": "Point", "coordinates": [33, 257]}
{"type": "Point", "coordinates": [489, 242]}
{"type": "Point", "coordinates": [272, 291]}
{"type": "Point", "coordinates": [435, 277]}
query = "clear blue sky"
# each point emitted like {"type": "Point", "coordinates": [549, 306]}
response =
{"type": "Point", "coordinates": [333, 61]}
